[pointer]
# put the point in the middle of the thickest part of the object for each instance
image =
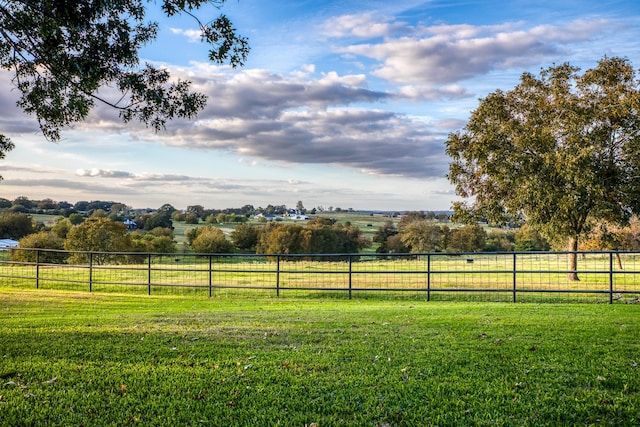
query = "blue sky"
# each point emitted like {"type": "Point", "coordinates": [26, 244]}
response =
{"type": "Point", "coordinates": [341, 104]}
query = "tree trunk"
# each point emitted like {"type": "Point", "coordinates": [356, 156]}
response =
{"type": "Point", "coordinates": [573, 260]}
{"type": "Point", "coordinates": [619, 260]}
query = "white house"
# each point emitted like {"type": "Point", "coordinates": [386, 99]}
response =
{"type": "Point", "coordinates": [131, 225]}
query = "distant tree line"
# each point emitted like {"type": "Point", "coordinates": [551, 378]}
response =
{"type": "Point", "coordinates": [104, 231]}
{"type": "Point", "coordinates": [416, 234]}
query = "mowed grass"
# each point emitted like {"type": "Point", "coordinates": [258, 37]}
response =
{"type": "Point", "coordinates": [71, 358]}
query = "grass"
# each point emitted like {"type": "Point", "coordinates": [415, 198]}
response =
{"type": "Point", "coordinates": [489, 276]}
{"type": "Point", "coordinates": [93, 359]}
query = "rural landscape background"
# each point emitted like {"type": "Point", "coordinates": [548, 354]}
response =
{"type": "Point", "coordinates": [360, 213]}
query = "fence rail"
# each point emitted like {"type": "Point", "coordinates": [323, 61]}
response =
{"type": "Point", "coordinates": [509, 276]}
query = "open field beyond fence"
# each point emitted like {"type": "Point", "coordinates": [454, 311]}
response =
{"type": "Point", "coordinates": [533, 276]}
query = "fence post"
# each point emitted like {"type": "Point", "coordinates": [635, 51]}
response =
{"type": "Point", "coordinates": [277, 275]}
{"type": "Point", "coordinates": [350, 275]}
{"type": "Point", "coordinates": [210, 274]}
{"type": "Point", "coordinates": [149, 274]}
{"type": "Point", "coordinates": [610, 277]}
{"type": "Point", "coordinates": [37, 268]}
{"type": "Point", "coordinates": [90, 271]}
{"type": "Point", "coordinates": [428, 277]}
{"type": "Point", "coordinates": [515, 266]}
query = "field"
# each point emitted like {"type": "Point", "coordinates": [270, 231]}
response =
{"type": "Point", "coordinates": [527, 277]}
{"type": "Point", "coordinates": [73, 358]}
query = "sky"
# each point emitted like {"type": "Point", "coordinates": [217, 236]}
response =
{"type": "Point", "coordinates": [340, 104]}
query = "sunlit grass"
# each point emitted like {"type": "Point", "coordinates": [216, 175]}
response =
{"type": "Point", "coordinates": [446, 275]}
{"type": "Point", "coordinates": [72, 358]}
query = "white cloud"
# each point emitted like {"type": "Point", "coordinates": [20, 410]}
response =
{"type": "Point", "coordinates": [364, 25]}
{"type": "Point", "coordinates": [446, 54]}
{"type": "Point", "coordinates": [193, 36]}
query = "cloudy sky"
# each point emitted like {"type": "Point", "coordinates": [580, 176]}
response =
{"type": "Point", "coordinates": [341, 104]}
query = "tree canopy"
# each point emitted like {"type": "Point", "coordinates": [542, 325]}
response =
{"type": "Point", "coordinates": [561, 150]}
{"type": "Point", "coordinates": [61, 53]}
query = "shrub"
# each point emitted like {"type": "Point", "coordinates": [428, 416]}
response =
{"type": "Point", "coordinates": [40, 240]}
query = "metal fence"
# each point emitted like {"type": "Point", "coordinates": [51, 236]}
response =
{"type": "Point", "coordinates": [511, 276]}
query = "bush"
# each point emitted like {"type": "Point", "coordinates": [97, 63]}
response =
{"type": "Point", "coordinates": [40, 240]}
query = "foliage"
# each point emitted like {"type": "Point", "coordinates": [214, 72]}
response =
{"type": "Point", "coordinates": [5, 146]}
{"type": "Point", "coordinates": [423, 236]}
{"type": "Point", "coordinates": [40, 240]}
{"type": "Point", "coordinates": [178, 216]}
{"type": "Point", "coordinates": [14, 225]}
{"type": "Point", "coordinates": [98, 234]}
{"type": "Point", "coordinates": [211, 240]}
{"type": "Point", "coordinates": [76, 218]}
{"type": "Point", "coordinates": [499, 241]}
{"type": "Point", "coordinates": [382, 235]}
{"type": "Point", "coordinates": [62, 227]}
{"type": "Point", "coordinates": [245, 237]}
{"type": "Point", "coordinates": [191, 218]}
{"type": "Point", "coordinates": [411, 217]}
{"type": "Point", "coordinates": [159, 240]}
{"type": "Point", "coordinates": [563, 150]}
{"type": "Point", "coordinates": [528, 239]}
{"type": "Point", "coordinates": [278, 238]}
{"type": "Point", "coordinates": [62, 53]}
{"type": "Point", "coordinates": [319, 236]}
{"type": "Point", "coordinates": [160, 219]}
{"type": "Point", "coordinates": [470, 238]}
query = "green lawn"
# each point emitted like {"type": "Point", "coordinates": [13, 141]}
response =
{"type": "Point", "coordinates": [94, 359]}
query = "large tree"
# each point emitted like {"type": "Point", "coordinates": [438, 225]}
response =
{"type": "Point", "coordinates": [61, 53]}
{"type": "Point", "coordinates": [100, 235]}
{"type": "Point", "coordinates": [561, 150]}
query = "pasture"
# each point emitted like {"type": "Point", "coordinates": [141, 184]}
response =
{"type": "Point", "coordinates": [71, 358]}
{"type": "Point", "coordinates": [522, 277]}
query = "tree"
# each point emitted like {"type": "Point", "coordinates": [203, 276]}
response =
{"type": "Point", "coordinates": [422, 236]}
{"type": "Point", "coordinates": [244, 237]}
{"type": "Point", "coordinates": [197, 210]}
{"type": "Point", "coordinates": [211, 240]}
{"type": "Point", "coordinates": [499, 241]}
{"type": "Point", "coordinates": [191, 218]}
{"type": "Point", "coordinates": [277, 238]}
{"type": "Point", "coordinates": [98, 234]}
{"type": "Point", "coordinates": [528, 239]}
{"type": "Point", "coordinates": [160, 219]}
{"type": "Point", "coordinates": [561, 150]}
{"type": "Point", "coordinates": [15, 225]}
{"type": "Point", "coordinates": [382, 235]}
{"type": "Point", "coordinates": [470, 238]}
{"type": "Point", "coordinates": [76, 218]}
{"type": "Point", "coordinates": [61, 53]}
{"type": "Point", "coordinates": [158, 240]}
{"type": "Point", "coordinates": [62, 228]}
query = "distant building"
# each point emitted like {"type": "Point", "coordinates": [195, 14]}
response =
{"type": "Point", "coordinates": [130, 224]}
{"type": "Point", "coordinates": [6, 244]}
{"type": "Point", "coordinates": [268, 217]}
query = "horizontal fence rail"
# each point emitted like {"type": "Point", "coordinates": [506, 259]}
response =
{"type": "Point", "coordinates": [509, 276]}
